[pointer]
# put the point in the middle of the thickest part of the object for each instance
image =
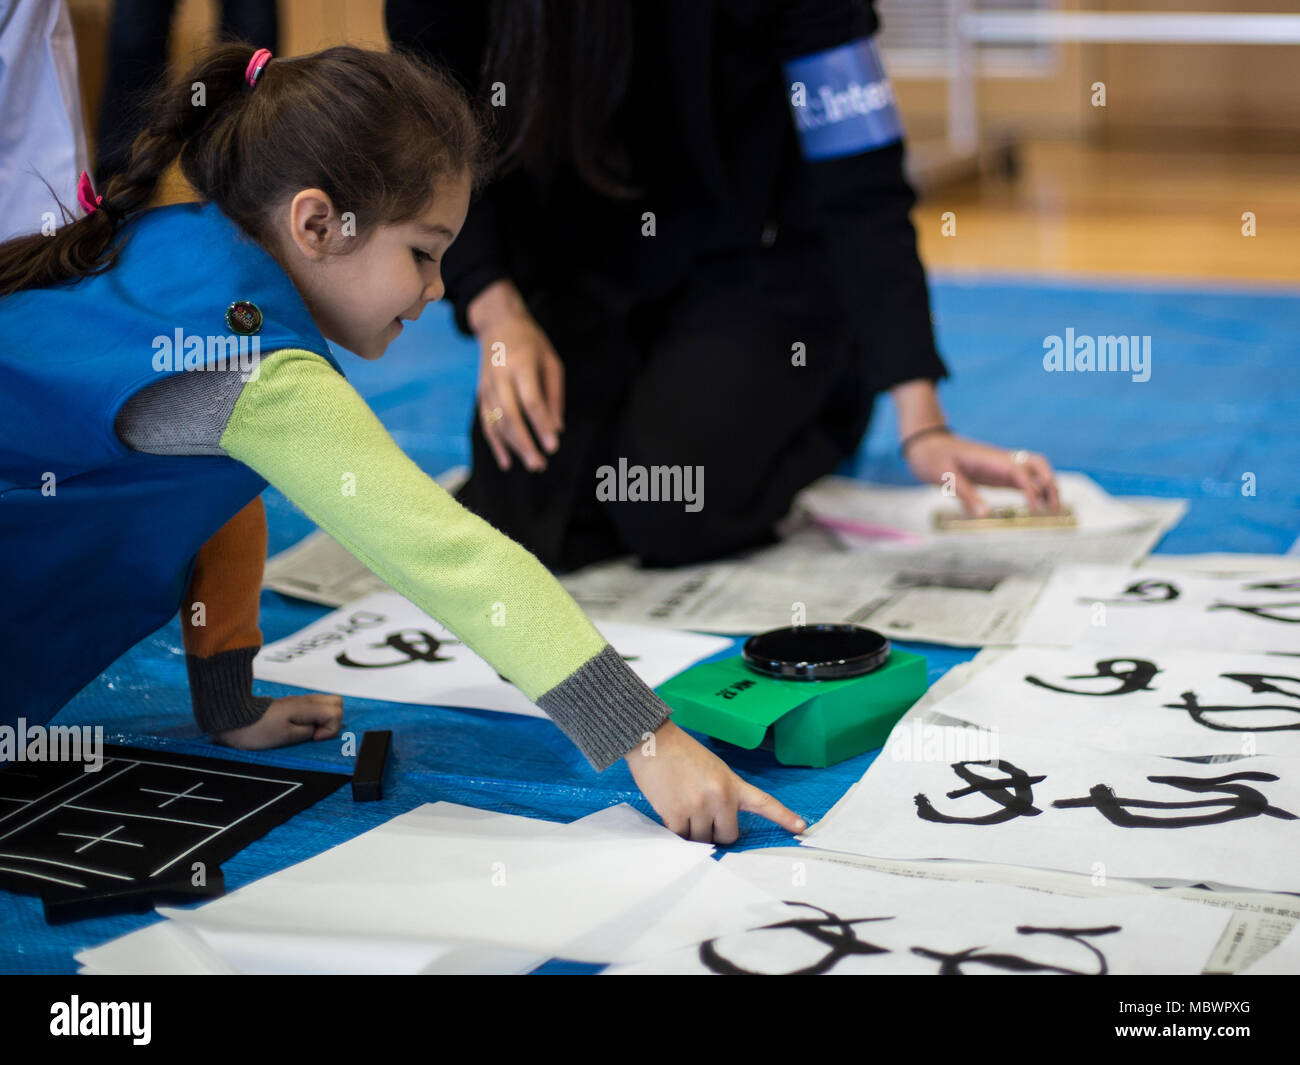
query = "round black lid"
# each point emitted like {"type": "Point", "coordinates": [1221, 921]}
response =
{"type": "Point", "coordinates": [816, 652]}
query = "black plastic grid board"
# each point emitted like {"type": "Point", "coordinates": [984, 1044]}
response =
{"type": "Point", "coordinates": [136, 827]}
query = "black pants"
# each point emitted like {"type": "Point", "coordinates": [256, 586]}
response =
{"type": "Point", "coordinates": [705, 377]}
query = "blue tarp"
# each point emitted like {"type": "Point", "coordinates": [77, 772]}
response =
{"type": "Point", "coordinates": [1222, 401]}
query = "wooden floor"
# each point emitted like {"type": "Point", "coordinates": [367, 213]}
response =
{"type": "Point", "coordinates": [1078, 210]}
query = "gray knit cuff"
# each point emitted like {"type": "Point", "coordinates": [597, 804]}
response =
{"type": "Point", "coordinates": [221, 690]}
{"type": "Point", "coordinates": [605, 708]}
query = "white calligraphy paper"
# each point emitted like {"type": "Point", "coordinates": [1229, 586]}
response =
{"type": "Point", "coordinates": [843, 920]}
{"type": "Point", "coordinates": [384, 647]}
{"type": "Point", "coordinates": [1022, 800]}
{"type": "Point", "coordinates": [1117, 606]}
{"type": "Point", "coordinates": [454, 889]}
{"type": "Point", "coordinates": [1149, 700]}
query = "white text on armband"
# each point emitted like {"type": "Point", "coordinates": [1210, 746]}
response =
{"type": "Point", "coordinates": [842, 101]}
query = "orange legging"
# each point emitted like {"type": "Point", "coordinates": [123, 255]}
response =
{"type": "Point", "coordinates": [227, 580]}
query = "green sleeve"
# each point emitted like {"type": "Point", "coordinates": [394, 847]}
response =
{"type": "Point", "coordinates": [303, 427]}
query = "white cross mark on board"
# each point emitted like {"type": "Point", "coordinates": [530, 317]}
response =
{"type": "Point", "coordinates": [186, 794]}
{"type": "Point", "coordinates": [107, 837]}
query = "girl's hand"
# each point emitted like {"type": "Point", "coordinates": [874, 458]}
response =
{"type": "Point", "coordinates": [935, 456]}
{"type": "Point", "coordinates": [520, 376]}
{"type": "Point", "coordinates": [292, 719]}
{"type": "Point", "coordinates": [695, 793]}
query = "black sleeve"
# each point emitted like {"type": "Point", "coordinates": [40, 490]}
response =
{"type": "Point", "coordinates": [861, 205]}
{"type": "Point", "coordinates": [453, 34]}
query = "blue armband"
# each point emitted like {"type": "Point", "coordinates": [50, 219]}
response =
{"type": "Point", "coordinates": [841, 101]}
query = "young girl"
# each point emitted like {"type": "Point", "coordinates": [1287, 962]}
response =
{"type": "Point", "coordinates": [160, 366]}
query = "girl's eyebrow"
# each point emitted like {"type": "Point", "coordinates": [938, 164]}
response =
{"type": "Point", "coordinates": [434, 230]}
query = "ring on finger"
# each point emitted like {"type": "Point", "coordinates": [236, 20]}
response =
{"type": "Point", "coordinates": [494, 415]}
{"type": "Point", "coordinates": [1020, 457]}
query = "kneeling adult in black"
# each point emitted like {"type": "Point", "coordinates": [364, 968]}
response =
{"type": "Point", "coordinates": [702, 210]}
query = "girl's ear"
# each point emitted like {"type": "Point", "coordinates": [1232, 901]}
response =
{"type": "Point", "coordinates": [314, 225]}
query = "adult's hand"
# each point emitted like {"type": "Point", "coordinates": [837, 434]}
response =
{"type": "Point", "coordinates": [937, 456]}
{"type": "Point", "coordinates": [520, 381]}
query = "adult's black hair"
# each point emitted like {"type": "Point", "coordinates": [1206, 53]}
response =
{"type": "Point", "coordinates": [565, 67]}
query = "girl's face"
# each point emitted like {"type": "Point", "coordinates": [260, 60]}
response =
{"type": "Point", "coordinates": [359, 299]}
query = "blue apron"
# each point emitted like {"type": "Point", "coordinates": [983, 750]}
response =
{"type": "Point", "coordinates": [98, 542]}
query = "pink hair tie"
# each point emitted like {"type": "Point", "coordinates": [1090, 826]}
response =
{"type": "Point", "coordinates": [86, 194]}
{"type": "Point", "coordinates": [260, 58]}
{"type": "Point", "coordinates": [90, 203]}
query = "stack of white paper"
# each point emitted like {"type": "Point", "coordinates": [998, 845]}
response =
{"type": "Point", "coordinates": [450, 888]}
{"type": "Point", "coordinates": [874, 512]}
